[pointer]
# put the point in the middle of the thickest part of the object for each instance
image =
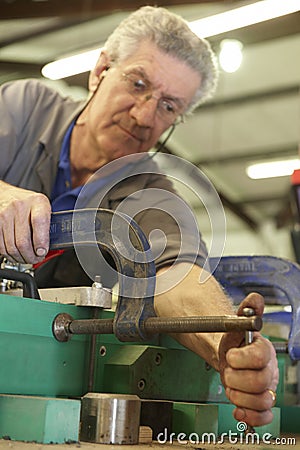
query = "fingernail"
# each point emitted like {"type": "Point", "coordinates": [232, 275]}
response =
{"type": "Point", "coordinates": [41, 251]}
{"type": "Point", "coordinates": [240, 413]}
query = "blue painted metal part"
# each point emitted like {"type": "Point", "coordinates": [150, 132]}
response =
{"type": "Point", "coordinates": [136, 269]}
{"type": "Point", "coordinates": [277, 279]}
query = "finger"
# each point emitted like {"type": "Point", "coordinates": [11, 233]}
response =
{"type": "Point", "coordinates": [252, 417]}
{"type": "Point", "coordinates": [2, 244]}
{"type": "Point", "coordinates": [250, 381]}
{"type": "Point", "coordinates": [254, 356]}
{"type": "Point", "coordinates": [23, 241]}
{"type": "Point", "coordinates": [40, 222]}
{"type": "Point", "coordinates": [254, 301]}
{"type": "Point", "coordinates": [260, 402]}
{"type": "Point", "coordinates": [11, 251]}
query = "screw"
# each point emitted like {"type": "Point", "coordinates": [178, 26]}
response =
{"type": "Point", "coordinates": [158, 359]}
{"type": "Point", "coordinates": [141, 384]}
{"type": "Point", "coordinates": [102, 350]}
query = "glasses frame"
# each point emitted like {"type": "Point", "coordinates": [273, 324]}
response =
{"type": "Point", "coordinates": [148, 95]}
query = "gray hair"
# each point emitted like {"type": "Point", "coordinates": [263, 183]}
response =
{"type": "Point", "coordinates": [172, 35]}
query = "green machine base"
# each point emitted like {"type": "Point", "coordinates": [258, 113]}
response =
{"type": "Point", "coordinates": [39, 370]}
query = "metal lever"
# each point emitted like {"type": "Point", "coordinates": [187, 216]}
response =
{"type": "Point", "coordinates": [248, 312]}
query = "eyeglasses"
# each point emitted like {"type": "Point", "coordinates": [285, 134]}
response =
{"type": "Point", "coordinates": [141, 89]}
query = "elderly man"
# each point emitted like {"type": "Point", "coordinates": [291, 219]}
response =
{"type": "Point", "coordinates": [151, 72]}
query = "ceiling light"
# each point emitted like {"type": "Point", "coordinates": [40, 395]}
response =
{"type": "Point", "coordinates": [206, 27]}
{"type": "Point", "coordinates": [273, 169]}
{"type": "Point", "coordinates": [231, 55]}
{"type": "Point", "coordinates": [71, 65]}
{"type": "Point", "coordinates": [244, 16]}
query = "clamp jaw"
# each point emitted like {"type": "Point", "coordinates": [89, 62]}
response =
{"type": "Point", "coordinates": [275, 278]}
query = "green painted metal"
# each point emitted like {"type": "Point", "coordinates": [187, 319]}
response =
{"type": "Point", "coordinates": [195, 420]}
{"type": "Point", "coordinates": [39, 419]}
{"type": "Point", "coordinates": [165, 370]}
{"type": "Point", "coordinates": [288, 384]}
{"type": "Point", "coordinates": [215, 424]}
{"type": "Point", "coordinates": [32, 361]}
{"type": "Point", "coordinates": [227, 422]}
{"type": "Point", "coordinates": [290, 419]}
{"type": "Point", "coordinates": [155, 372]}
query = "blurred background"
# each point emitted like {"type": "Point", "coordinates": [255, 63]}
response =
{"type": "Point", "coordinates": [253, 118]}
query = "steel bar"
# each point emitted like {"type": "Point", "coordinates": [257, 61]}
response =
{"type": "Point", "coordinates": [155, 325]}
{"type": "Point", "coordinates": [248, 312]}
{"type": "Point", "coordinates": [210, 324]}
{"type": "Point", "coordinates": [91, 326]}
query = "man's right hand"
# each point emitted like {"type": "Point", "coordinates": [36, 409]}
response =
{"type": "Point", "coordinates": [24, 224]}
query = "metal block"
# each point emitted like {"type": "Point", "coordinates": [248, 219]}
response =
{"type": "Point", "coordinates": [32, 361]}
{"type": "Point", "coordinates": [110, 418]}
{"type": "Point", "coordinates": [287, 389]}
{"type": "Point", "coordinates": [157, 415]}
{"type": "Point", "coordinates": [290, 419]}
{"type": "Point", "coordinates": [79, 296]}
{"type": "Point", "coordinates": [39, 419]}
{"type": "Point", "coordinates": [157, 373]}
{"type": "Point", "coordinates": [194, 419]}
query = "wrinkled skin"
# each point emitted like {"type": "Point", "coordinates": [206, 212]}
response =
{"type": "Point", "coordinates": [249, 390]}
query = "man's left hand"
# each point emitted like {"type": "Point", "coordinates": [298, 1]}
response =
{"type": "Point", "coordinates": [249, 373]}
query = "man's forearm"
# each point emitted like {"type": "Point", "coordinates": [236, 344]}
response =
{"type": "Point", "coordinates": [191, 297]}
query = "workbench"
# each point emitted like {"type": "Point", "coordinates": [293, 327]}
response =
{"type": "Point", "coordinates": [10, 445]}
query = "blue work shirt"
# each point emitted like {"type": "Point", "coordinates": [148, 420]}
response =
{"type": "Point", "coordinates": [63, 197]}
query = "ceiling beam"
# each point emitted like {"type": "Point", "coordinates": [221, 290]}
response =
{"type": "Point", "coordinates": [20, 9]}
{"type": "Point", "coordinates": [220, 103]}
{"type": "Point", "coordinates": [235, 207]}
{"type": "Point", "coordinates": [257, 154]}
{"type": "Point", "coordinates": [18, 66]}
{"type": "Point", "coordinates": [56, 24]}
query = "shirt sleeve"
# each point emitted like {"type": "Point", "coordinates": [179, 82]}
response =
{"type": "Point", "coordinates": [19, 102]}
{"type": "Point", "coordinates": [165, 218]}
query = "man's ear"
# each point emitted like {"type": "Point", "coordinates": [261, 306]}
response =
{"type": "Point", "coordinates": [97, 72]}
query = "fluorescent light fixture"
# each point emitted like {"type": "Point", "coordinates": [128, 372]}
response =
{"type": "Point", "coordinates": [231, 55]}
{"type": "Point", "coordinates": [71, 65]}
{"type": "Point", "coordinates": [206, 27]}
{"type": "Point", "coordinates": [244, 16]}
{"type": "Point", "coordinates": [273, 169]}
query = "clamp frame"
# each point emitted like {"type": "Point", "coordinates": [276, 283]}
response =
{"type": "Point", "coordinates": [136, 274]}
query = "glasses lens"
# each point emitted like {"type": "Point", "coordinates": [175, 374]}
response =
{"type": "Point", "coordinates": [141, 89]}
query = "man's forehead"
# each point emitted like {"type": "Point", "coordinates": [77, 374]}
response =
{"type": "Point", "coordinates": [149, 51]}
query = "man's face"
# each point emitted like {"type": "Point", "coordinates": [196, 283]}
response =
{"type": "Point", "coordinates": [122, 119]}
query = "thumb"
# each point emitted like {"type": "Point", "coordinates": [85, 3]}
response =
{"type": "Point", "coordinates": [236, 338]}
{"type": "Point", "coordinates": [254, 301]}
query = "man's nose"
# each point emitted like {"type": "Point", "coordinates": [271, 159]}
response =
{"type": "Point", "coordinates": [145, 111]}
